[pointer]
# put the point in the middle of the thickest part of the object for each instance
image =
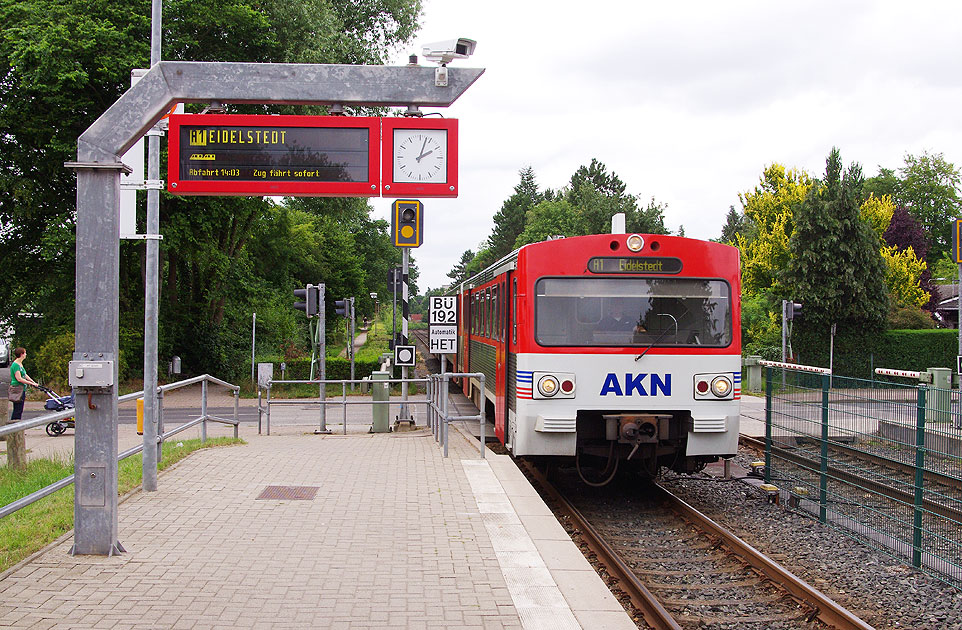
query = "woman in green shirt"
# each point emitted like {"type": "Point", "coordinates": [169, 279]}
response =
{"type": "Point", "coordinates": [18, 376]}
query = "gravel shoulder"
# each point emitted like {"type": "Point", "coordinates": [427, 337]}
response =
{"type": "Point", "coordinates": [882, 590]}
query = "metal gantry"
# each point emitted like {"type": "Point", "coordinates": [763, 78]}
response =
{"type": "Point", "coordinates": [98, 167]}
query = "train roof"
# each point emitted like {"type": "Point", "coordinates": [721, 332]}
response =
{"type": "Point", "coordinates": [509, 262]}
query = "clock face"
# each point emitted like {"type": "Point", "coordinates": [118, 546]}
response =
{"type": "Point", "coordinates": [421, 155]}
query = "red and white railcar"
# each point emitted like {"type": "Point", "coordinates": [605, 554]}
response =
{"type": "Point", "coordinates": [620, 349]}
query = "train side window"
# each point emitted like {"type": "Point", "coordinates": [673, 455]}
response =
{"type": "Point", "coordinates": [484, 313]}
{"type": "Point", "coordinates": [514, 311]}
{"type": "Point", "coordinates": [496, 312]}
{"type": "Point", "coordinates": [474, 313]}
{"type": "Point", "coordinates": [487, 313]}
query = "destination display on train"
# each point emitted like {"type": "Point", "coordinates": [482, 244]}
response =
{"type": "Point", "coordinates": [626, 264]}
{"type": "Point", "coordinates": [273, 155]}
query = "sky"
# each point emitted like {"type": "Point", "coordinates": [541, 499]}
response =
{"type": "Point", "coordinates": [686, 101]}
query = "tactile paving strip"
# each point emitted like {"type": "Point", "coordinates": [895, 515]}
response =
{"type": "Point", "coordinates": [293, 493]}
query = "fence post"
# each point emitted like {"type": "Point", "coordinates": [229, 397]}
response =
{"type": "Point", "coordinates": [444, 420]}
{"type": "Point", "coordinates": [236, 410]}
{"type": "Point", "coordinates": [483, 419]}
{"type": "Point", "coordinates": [823, 465]}
{"type": "Point", "coordinates": [160, 424]}
{"type": "Point", "coordinates": [919, 478]}
{"type": "Point", "coordinates": [268, 408]}
{"type": "Point", "coordinates": [203, 410]}
{"type": "Point", "coordinates": [768, 423]}
{"type": "Point", "coordinates": [260, 411]}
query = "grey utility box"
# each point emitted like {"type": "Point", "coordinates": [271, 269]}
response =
{"type": "Point", "coordinates": [939, 398]}
{"type": "Point", "coordinates": [381, 392]}
{"type": "Point", "coordinates": [752, 374]}
{"type": "Point", "coordinates": [91, 374]}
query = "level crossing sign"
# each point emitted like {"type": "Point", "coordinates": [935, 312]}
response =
{"type": "Point", "coordinates": [444, 325]}
{"type": "Point", "coordinates": [443, 340]}
{"type": "Point", "coordinates": [444, 310]}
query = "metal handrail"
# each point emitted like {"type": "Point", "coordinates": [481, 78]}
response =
{"type": "Point", "coordinates": [438, 397]}
{"type": "Point", "coordinates": [23, 425]}
{"type": "Point", "coordinates": [23, 502]}
{"type": "Point", "coordinates": [263, 411]}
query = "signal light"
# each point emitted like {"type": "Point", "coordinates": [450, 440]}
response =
{"type": "Point", "coordinates": [793, 310]}
{"type": "Point", "coordinates": [342, 308]}
{"type": "Point", "coordinates": [309, 298]}
{"type": "Point", "coordinates": [406, 222]}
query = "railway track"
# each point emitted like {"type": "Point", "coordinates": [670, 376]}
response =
{"type": "Point", "coordinates": [862, 469]}
{"type": "Point", "coordinates": [677, 569]}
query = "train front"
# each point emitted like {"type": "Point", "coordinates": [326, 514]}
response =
{"type": "Point", "coordinates": [631, 355]}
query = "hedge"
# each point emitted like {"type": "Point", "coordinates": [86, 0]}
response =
{"type": "Point", "coordinates": [337, 368]}
{"type": "Point", "coordinates": [857, 353]}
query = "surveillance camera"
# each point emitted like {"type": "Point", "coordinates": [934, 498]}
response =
{"type": "Point", "coordinates": [446, 51]}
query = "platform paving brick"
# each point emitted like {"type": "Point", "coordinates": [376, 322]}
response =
{"type": "Point", "coordinates": [393, 539]}
{"type": "Point", "coordinates": [397, 537]}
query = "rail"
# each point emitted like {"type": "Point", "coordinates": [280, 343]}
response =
{"type": "Point", "coordinates": [435, 403]}
{"type": "Point", "coordinates": [439, 418]}
{"type": "Point", "coordinates": [264, 406]}
{"type": "Point", "coordinates": [23, 502]}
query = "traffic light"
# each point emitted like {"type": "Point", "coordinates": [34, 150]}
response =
{"type": "Point", "coordinates": [342, 308]}
{"type": "Point", "coordinates": [406, 222]}
{"type": "Point", "coordinates": [793, 310]}
{"type": "Point", "coordinates": [308, 300]}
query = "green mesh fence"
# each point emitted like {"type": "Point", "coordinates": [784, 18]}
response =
{"type": "Point", "coordinates": [879, 460]}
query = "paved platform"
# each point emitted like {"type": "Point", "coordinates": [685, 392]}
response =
{"type": "Point", "coordinates": [395, 537]}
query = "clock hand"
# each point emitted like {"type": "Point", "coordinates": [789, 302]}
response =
{"type": "Point", "coordinates": [422, 150]}
{"type": "Point", "coordinates": [424, 155]}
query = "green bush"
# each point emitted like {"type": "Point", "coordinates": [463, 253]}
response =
{"type": "Point", "coordinates": [857, 354]}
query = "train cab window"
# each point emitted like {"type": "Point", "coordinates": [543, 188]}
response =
{"type": "Point", "coordinates": [668, 312]}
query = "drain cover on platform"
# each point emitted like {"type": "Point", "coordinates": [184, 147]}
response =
{"type": "Point", "coordinates": [294, 493]}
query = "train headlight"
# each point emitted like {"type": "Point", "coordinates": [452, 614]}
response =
{"type": "Point", "coordinates": [553, 385]}
{"type": "Point", "coordinates": [714, 386]}
{"type": "Point", "coordinates": [635, 242]}
{"type": "Point", "coordinates": [721, 386]}
{"type": "Point", "coordinates": [548, 386]}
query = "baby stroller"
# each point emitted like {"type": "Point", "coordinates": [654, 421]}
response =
{"type": "Point", "coordinates": [57, 403]}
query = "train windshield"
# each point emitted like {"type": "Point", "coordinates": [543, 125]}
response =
{"type": "Point", "coordinates": [633, 312]}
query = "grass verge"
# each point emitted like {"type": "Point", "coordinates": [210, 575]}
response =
{"type": "Point", "coordinates": [37, 525]}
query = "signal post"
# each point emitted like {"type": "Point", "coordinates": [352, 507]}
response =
{"type": "Point", "coordinates": [408, 231]}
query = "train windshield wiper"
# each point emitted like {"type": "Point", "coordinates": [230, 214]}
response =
{"type": "Point", "coordinates": [659, 337]}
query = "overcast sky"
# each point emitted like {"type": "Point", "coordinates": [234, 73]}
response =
{"type": "Point", "coordinates": [686, 101]}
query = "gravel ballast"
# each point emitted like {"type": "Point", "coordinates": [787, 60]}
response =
{"type": "Point", "coordinates": [884, 591]}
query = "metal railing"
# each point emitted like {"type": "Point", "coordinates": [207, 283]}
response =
{"type": "Point", "coordinates": [264, 404]}
{"type": "Point", "coordinates": [21, 503]}
{"type": "Point", "coordinates": [881, 461]}
{"type": "Point", "coordinates": [438, 416]}
{"type": "Point", "coordinates": [436, 402]}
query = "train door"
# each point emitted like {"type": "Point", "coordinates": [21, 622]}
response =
{"type": "Point", "coordinates": [498, 329]}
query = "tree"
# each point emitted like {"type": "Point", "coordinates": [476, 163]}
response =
{"type": "Point", "coordinates": [734, 223]}
{"type": "Point", "coordinates": [929, 190]}
{"type": "Point", "coordinates": [550, 218]}
{"type": "Point", "coordinates": [65, 63]}
{"type": "Point", "coordinates": [459, 271]}
{"type": "Point", "coordinates": [835, 267]}
{"type": "Point", "coordinates": [768, 224]}
{"type": "Point", "coordinates": [586, 206]}
{"type": "Point", "coordinates": [905, 233]}
{"type": "Point", "coordinates": [509, 220]}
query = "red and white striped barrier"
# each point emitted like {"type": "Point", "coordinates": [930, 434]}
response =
{"type": "Point", "coordinates": [902, 373]}
{"type": "Point", "coordinates": [795, 366]}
